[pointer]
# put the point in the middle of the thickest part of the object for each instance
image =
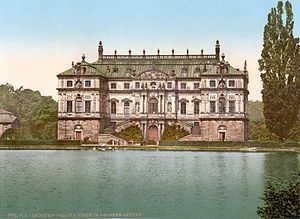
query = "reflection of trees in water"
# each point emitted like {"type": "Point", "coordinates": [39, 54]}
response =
{"type": "Point", "coordinates": [281, 168]}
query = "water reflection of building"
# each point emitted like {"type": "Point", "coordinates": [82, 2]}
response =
{"type": "Point", "coordinates": [202, 93]}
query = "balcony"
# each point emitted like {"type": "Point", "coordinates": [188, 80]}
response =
{"type": "Point", "coordinates": [79, 115]}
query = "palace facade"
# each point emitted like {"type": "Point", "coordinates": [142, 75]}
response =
{"type": "Point", "coordinates": [201, 93]}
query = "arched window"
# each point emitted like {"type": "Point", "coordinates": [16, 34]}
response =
{"type": "Point", "coordinates": [153, 105]}
{"type": "Point", "coordinates": [183, 108]}
{"type": "Point", "coordinates": [78, 104]}
{"type": "Point", "coordinates": [113, 107]}
{"type": "Point", "coordinates": [222, 105]}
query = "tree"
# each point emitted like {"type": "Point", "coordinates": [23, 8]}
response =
{"type": "Point", "coordinates": [280, 69]}
{"type": "Point", "coordinates": [37, 114]}
{"type": "Point", "coordinates": [281, 203]}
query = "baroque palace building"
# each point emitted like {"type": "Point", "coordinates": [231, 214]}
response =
{"type": "Point", "coordinates": [201, 93]}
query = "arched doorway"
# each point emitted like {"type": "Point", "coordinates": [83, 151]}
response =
{"type": "Point", "coordinates": [78, 132]}
{"type": "Point", "coordinates": [222, 132]}
{"type": "Point", "coordinates": [153, 133]}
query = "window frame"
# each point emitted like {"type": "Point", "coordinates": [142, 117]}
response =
{"type": "Point", "coordinates": [231, 104]}
{"type": "Point", "coordinates": [229, 83]}
{"type": "Point", "coordinates": [87, 106]}
{"type": "Point", "coordinates": [212, 82]}
{"type": "Point", "coordinates": [222, 105]}
{"type": "Point", "coordinates": [183, 86]}
{"type": "Point", "coordinates": [69, 83]}
{"type": "Point", "coordinates": [126, 108]}
{"type": "Point", "coordinates": [196, 108]}
{"type": "Point", "coordinates": [113, 85]}
{"type": "Point", "coordinates": [69, 106]}
{"type": "Point", "coordinates": [212, 106]}
{"type": "Point", "coordinates": [126, 85]}
{"type": "Point", "coordinates": [87, 83]}
{"type": "Point", "coordinates": [113, 107]}
{"type": "Point", "coordinates": [183, 108]}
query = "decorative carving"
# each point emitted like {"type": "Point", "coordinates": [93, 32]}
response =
{"type": "Point", "coordinates": [150, 75]}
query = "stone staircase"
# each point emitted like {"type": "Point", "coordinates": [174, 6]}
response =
{"type": "Point", "coordinates": [104, 139]}
{"type": "Point", "coordinates": [123, 125]}
{"type": "Point", "coordinates": [191, 137]}
{"type": "Point", "coordinates": [186, 126]}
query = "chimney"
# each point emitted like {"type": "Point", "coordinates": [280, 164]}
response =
{"type": "Point", "coordinates": [217, 50]}
{"type": "Point", "coordinates": [100, 51]}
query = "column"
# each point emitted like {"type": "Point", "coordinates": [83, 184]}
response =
{"type": "Point", "coordinates": [159, 104]}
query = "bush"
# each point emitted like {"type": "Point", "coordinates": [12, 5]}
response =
{"type": "Point", "coordinates": [132, 133]}
{"type": "Point", "coordinates": [151, 142]}
{"type": "Point", "coordinates": [39, 142]}
{"type": "Point", "coordinates": [281, 203]}
{"type": "Point", "coordinates": [173, 132]}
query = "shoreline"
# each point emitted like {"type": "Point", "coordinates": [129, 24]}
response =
{"type": "Point", "coordinates": [154, 148]}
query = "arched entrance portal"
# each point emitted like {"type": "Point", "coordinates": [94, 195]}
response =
{"type": "Point", "coordinates": [222, 132]}
{"type": "Point", "coordinates": [153, 133]}
{"type": "Point", "coordinates": [78, 132]}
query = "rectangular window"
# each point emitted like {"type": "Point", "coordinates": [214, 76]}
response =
{"type": "Point", "coordinates": [196, 86]}
{"type": "Point", "coordinates": [196, 108]}
{"type": "Point", "coordinates": [137, 85]}
{"type": "Point", "coordinates": [69, 83]}
{"type": "Point", "coordinates": [69, 106]}
{"type": "Point", "coordinates": [169, 85]}
{"type": "Point", "coordinates": [183, 108]}
{"type": "Point", "coordinates": [113, 108]}
{"type": "Point", "coordinates": [87, 83]}
{"type": "Point", "coordinates": [231, 83]}
{"type": "Point", "coordinates": [126, 85]}
{"type": "Point", "coordinates": [231, 106]}
{"type": "Point", "coordinates": [126, 108]}
{"type": "Point", "coordinates": [212, 106]}
{"type": "Point", "coordinates": [87, 106]}
{"type": "Point", "coordinates": [212, 83]}
{"type": "Point", "coordinates": [113, 85]}
{"type": "Point", "coordinates": [183, 86]}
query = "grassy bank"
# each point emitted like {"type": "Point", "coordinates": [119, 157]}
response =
{"type": "Point", "coordinates": [39, 145]}
{"type": "Point", "coordinates": [164, 146]}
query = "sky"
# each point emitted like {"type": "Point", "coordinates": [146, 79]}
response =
{"type": "Point", "coordinates": [40, 38]}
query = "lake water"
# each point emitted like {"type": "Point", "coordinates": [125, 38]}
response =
{"type": "Point", "coordinates": [138, 184]}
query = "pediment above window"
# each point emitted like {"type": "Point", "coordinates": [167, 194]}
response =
{"type": "Point", "coordinates": [113, 100]}
{"type": "Point", "coordinates": [126, 100]}
{"type": "Point", "coordinates": [183, 100]}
